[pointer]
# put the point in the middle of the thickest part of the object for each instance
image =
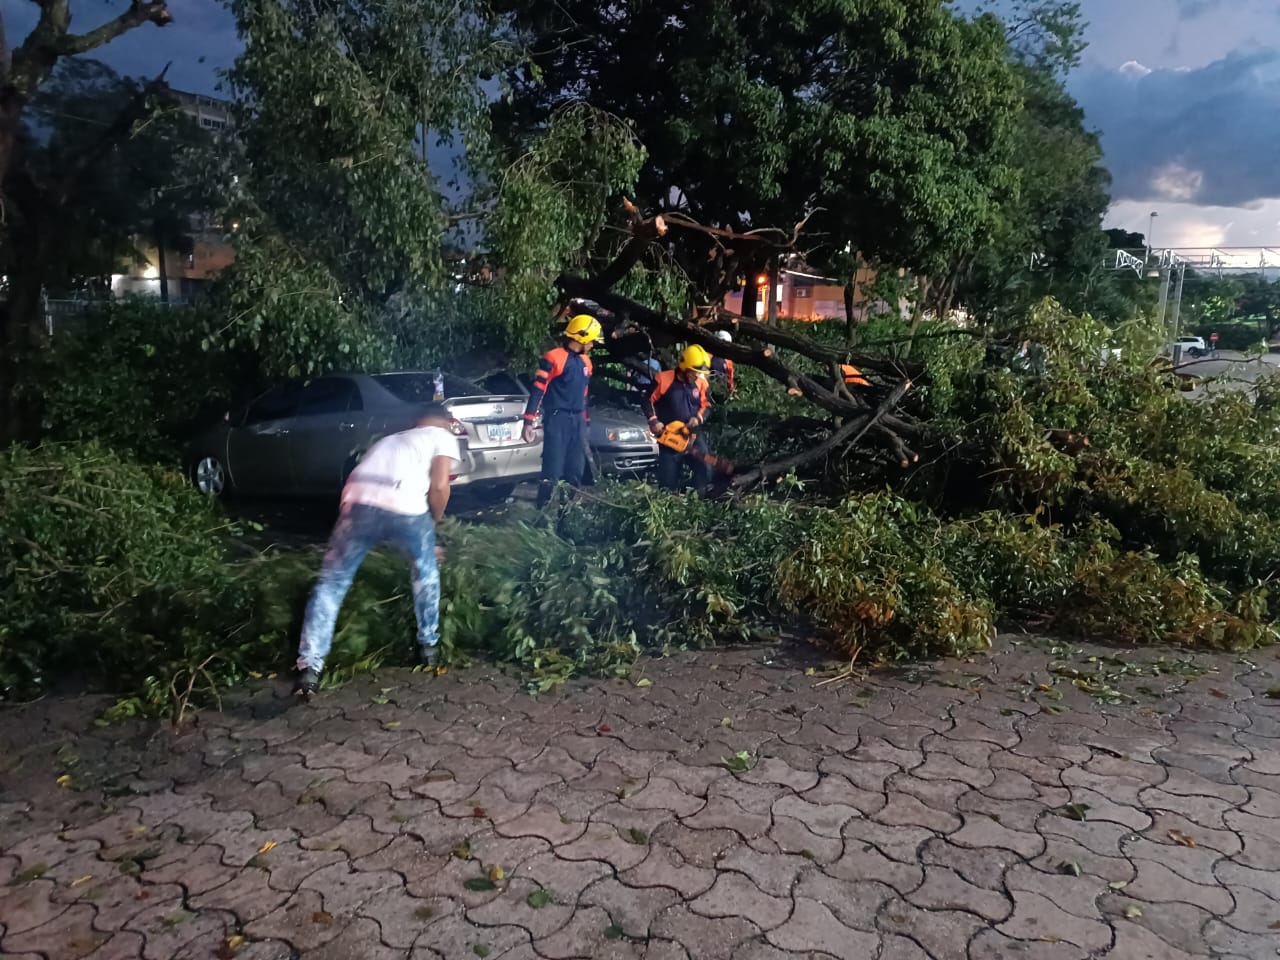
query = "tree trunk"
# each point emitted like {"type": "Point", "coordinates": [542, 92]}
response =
{"type": "Point", "coordinates": [10, 122]}
{"type": "Point", "coordinates": [917, 314]}
{"type": "Point", "coordinates": [773, 292]}
{"type": "Point", "coordinates": [163, 268]}
{"type": "Point", "coordinates": [749, 289]}
{"type": "Point", "coordinates": [24, 328]}
{"type": "Point", "coordinates": [850, 324]}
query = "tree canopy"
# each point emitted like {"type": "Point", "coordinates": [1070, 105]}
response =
{"type": "Point", "coordinates": [891, 123]}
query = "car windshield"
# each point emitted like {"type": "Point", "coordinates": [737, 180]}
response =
{"type": "Point", "coordinates": [421, 388]}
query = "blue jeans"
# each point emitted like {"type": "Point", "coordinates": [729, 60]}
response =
{"type": "Point", "coordinates": [359, 529]}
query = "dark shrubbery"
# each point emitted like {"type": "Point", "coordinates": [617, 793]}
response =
{"type": "Point", "coordinates": [134, 376]}
{"type": "Point", "coordinates": [1161, 529]}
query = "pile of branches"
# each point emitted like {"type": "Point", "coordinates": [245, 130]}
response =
{"type": "Point", "coordinates": [876, 422]}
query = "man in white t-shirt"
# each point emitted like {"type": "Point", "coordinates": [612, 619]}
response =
{"type": "Point", "coordinates": [395, 496]}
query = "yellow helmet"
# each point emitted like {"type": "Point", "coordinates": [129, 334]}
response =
{"type": "Point", "coordinates": [585, 329]}
{"type": "Point", "coordinates": [695, 358]}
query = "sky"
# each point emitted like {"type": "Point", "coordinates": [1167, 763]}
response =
{"type": "Point", "coordinates": [1186, 95]}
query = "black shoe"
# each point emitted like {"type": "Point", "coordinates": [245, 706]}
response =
{"type": "Point", "coordinates": [307, 683]}
{"type": "Point", "coordinates": [545, 490]}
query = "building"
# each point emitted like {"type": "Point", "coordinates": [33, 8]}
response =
{"type": "Point", "coordinates": [211, 113]}
{"type": "Point", "coordinates": [803, 295]}
{"type": "Point", "coordinates": [205, 251]}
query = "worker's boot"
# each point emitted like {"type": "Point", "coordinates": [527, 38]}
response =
{"type": "Point", "coordinates": [545, 489]}
{"type": "Point", "coordinates": [307, 683]}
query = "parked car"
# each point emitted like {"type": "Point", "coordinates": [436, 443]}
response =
{"type": "Point", "coordinates": [303, 439]}
{"type": "Point", "coordinates": [1193, 347]}
{"type": "Point", "coordinates": [621, 442]}
{"type": "Point", "coordinates": [619, 438]}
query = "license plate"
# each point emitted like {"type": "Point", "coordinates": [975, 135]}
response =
{"type": "Point", "coordinates": [500, 431]}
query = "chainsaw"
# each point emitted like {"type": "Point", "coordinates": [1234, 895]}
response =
{"type": "Point", "coordinates": [678, 437]}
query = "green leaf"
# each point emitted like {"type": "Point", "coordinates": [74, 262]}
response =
{"type": "Point", "coordinates": [33, 872]}
{"type": "Point", "coordinates": [1072, 811]}
{"type": "Point", "coordinates": [480, 883]}
{"type": "Point", "coordinates": [614, 932]}
{"type": "Point", "coordinates": [538, 899]}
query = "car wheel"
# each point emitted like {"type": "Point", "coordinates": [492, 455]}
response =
{"type": "Point", "coordinates": [210, 477]}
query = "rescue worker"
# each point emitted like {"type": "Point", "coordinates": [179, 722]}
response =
{"type": "Point", "coordinates": [560, 394]}
{"type": "Point", "coordinates": [681, 395]}
{"type": "Point", "coordinates": [722, 368]}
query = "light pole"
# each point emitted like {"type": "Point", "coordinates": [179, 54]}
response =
{"type": "Point", "coordinates": [1151, 226]}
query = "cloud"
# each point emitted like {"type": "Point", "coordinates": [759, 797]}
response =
{"type": "Point", "coordinates": [1191, 9]}
{"type": "Point", "coordinates": [1193, 225]}
{"type": "Point", "coordinates": [1133, 68]}
{"type": "Point", "coordinates": [1207, 135]}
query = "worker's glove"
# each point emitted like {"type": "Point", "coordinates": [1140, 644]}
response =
{"type": "Point", "coordinates": [528, 433]}
{"type": "Point", "coordinates": [656, 428]}
{"type": "Point", "coordinates": [693, 423]}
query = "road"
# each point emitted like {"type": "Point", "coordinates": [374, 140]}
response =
{"type": "Point", "coordinates": [1235, 370]}
{"type": "Point", "coordinates": [730, 807]}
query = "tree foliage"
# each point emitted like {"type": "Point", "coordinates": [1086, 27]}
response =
{"type": "Point", "coordinates": [28, 248]}
{"type": "Point", "coordinates": [152, 181]}
{"type": "Point", "coordinates": [344, 220]}
{"type": "Point", "coordinates": [894, 117]}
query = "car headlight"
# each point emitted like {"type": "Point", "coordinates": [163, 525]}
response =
{"type": "Point", "coordinates": [625, 435]}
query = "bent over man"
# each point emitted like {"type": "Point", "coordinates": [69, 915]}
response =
{"type": "Point", "coordinates": [395, 495]}
{"type": "Point", "coordinates": [560, 394]}
{"type": "Point", "coordinates": [680, 397]}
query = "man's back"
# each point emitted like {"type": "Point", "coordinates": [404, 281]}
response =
{"type": "Point", "coordinates": [395, 473]}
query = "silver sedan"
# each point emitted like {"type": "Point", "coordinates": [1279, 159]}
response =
{"type": "Point", "coordinates": [302, 440]}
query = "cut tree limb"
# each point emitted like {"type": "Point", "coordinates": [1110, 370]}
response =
{"type": "Point", "coordinates": [850, 433]}
{"type": "Point", "coordinates": [643, 232]}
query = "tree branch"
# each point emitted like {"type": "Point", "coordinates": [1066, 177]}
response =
{"type": "Point", "coordinates": [137, 14]}
{"type": "Point", "coordinates": [642, 233]}
{"type": "Point", "coordinates": [133, 111]}
{"type": "Point", "coordinates": [727, 320]}
{"type": "Point", "coordinates": [850, 433]}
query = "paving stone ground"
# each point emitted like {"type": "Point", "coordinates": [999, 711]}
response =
{"type": "Point", "coordinates": [1039, 803]}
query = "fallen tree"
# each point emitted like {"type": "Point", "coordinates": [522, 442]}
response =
{"type": "Point", "coordinates": [760, 346]}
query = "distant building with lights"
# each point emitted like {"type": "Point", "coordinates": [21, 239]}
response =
{"type": "Point", "coordinates": [205, 251]}
{"type": "Point", "coordinates": [804, 295]}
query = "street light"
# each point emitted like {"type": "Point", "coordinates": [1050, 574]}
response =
{"type": "Point", "coordinates": [1151, 226]}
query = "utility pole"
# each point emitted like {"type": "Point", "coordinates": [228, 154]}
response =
{"type": "Point", "coordinates": [1175, 322]}
{"type": "Point", "coordinates": [1151, 227]}
{"type": "Point", "coordinates": [1166, 274]}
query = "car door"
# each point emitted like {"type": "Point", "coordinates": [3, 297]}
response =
{"type": "Point", "coordinates": [329, 429]}
{"type": "Point", "coordinates": [258, 446]}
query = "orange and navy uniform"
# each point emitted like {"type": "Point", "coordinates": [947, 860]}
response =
{"type": "Point", "coordinates": [853, 376]}
{"type": "Point", "coordinates": [723, 369]}
{"type": "Point", "coordinates": [674, 398]}
{"type": "Point", "coordinates": [560, 385]}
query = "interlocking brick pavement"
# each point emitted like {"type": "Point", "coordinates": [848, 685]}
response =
{"type": "Point", "coordinates": [973, 810]}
